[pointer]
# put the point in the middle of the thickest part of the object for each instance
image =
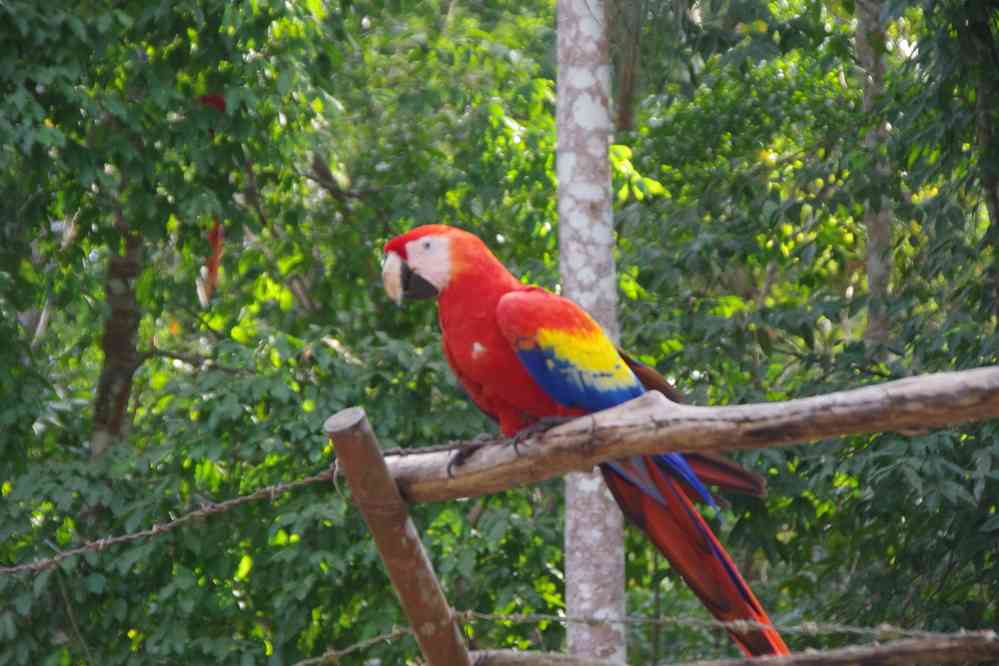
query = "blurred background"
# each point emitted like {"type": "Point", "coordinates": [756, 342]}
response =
{"type": "Point", "coordinates": [193, 199]}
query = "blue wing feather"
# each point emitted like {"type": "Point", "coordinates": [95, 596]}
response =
{"type": "Point", "coordinates": [575, 387]}
{"type": "Point", "coordinates": [571, 358]}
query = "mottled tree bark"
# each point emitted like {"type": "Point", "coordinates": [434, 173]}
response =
{"type": "Point", "coordinates": [594, 546]}
{"type": "Point", "coordinates": [118, 344]}
{"type": "Point", "coordinates": [869, 41]}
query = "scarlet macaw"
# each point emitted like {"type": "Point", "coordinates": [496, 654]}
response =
{"type": "Point", "coordinates": [524, 354]}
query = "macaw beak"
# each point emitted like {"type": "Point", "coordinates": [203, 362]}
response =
{"type": "Point", "coordinates": [403, 282]}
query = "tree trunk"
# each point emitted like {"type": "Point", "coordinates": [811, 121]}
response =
{"type": "Point", "coordinates": [594, 544]}
{"type": "Point", "coordinates": [625, 19]}
{"type": "Point", "coordinates": [982, 54]}
{"type": "Point", "coordinates": [877, 217]}
{"type": "Point", "coordinates": [118, 344]}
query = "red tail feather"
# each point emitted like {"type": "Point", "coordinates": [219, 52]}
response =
{"type": "Point", "coordinates": [715, 469]}
{"type": "Point", "coordinates": [686, 540]}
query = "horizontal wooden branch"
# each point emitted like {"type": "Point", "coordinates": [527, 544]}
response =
{"type": "Point", "coordinates": [651, 424]}
{"type": "Point", "coordinates": [971, 647]}
{"type": "Point", "coordinates": [526, 658]}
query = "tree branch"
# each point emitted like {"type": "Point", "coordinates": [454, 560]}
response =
{"type": "Point", "coordinates": [194, 360]}
{"type": "Point", "coordinates": [322, 176]}
{"type": "Point", "coordinates": [653, 424]}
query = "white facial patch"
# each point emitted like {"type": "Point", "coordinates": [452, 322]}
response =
{"type": "Point", "coordinates": [430, 258]}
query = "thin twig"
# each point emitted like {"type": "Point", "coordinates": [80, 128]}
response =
{"type": "Point", "coordinates": [72, 619]}
{"type": "Point", "coordinates": [332, 656]}
{"type": "Point", "coordinates": [322, 176]}
{"type": "Point", "coordinates": [195, 360]}
{"type": "Point", "coordinates": [219, 335]}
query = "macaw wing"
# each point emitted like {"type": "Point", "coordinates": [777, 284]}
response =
{"type": "Point", "coordinates": [565, 351]}
{"type": "Point", "coordinates": [570, 356]}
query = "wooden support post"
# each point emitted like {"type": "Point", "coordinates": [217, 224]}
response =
{"type": "Point", "coordinates": [398, 542]}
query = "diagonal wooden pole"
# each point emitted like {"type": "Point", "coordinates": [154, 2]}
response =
{"type": "Point", "coordinates": [386, 515]}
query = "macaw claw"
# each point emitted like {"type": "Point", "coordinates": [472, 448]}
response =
{"type": "Point", "coordinates": [465, 451]}
{"type": "Point", "coordinates": [543, 424]}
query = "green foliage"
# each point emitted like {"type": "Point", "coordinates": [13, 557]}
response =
{"type": "Point", "coordinates": [740, 203]}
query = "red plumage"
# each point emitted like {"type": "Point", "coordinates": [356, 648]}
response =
{"type": "Point", "coordinates": [214, 100]}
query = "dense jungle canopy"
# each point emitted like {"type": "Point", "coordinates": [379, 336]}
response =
{"type": "Point", "coordinates": [193, 200]}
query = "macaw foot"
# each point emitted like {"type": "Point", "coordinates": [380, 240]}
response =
{"type": "Point", "coordinates": [464, 452]}
{"type": "Point", "coordinates": [543, 424]}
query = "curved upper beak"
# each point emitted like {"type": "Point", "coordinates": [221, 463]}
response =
{"type": "Point", "coordinates": [401, 281]}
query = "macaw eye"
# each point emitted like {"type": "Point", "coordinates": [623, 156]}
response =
{"type": "Point", "coordinates": [426, 245]}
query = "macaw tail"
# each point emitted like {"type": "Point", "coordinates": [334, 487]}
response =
{"type": "Point", "coordinates": [658, 503]}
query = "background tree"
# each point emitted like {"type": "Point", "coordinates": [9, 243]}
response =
{"type": "Point", "coordinates": [594, 526]}
{"type": "Point", "coordinates": [869, 44]}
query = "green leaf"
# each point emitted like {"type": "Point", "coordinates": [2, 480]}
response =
{"type": "Point", "coordinates": [23, 602]}
{"type": "Point", "coordinates": [95, 583]}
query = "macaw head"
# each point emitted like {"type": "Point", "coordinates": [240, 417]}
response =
{"type": "Point", "coordinates": [421, 263]}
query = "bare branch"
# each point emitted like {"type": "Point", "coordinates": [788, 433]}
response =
{"type": "Point", "coordinates": [195, 360]}
{"type": "Point", "coordinates": [651, 424]}
{"type": "Point", "coordinates": [322, 176]}
{"type": "Point", "coordinates": [332, 656]}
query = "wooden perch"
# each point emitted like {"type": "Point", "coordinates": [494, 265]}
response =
{"type": "Point", "coordinates": [399, 544]}
{"type": "Point", "coordinates": [973, 646]}
{"type": "Point", "coordinates": [653, 424]}
{"type": "Point", "coordinates": [522, 658]}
